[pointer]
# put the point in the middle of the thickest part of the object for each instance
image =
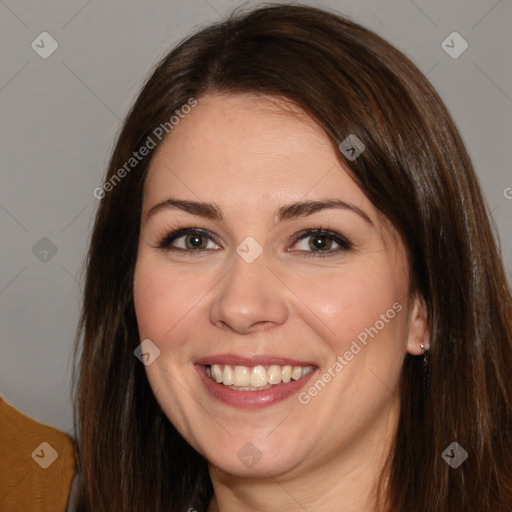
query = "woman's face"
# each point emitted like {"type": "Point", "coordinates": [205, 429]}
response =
{"type": "Point", "coordinates": [255, 297]}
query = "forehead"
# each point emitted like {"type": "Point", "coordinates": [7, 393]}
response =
{"type": "Point", "coordinates": [241, 130]}
{"type": "Point", "coordinates": [247, 144]}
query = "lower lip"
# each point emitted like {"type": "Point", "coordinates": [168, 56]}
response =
{"type": "Point", "coordinates": [252, 399]}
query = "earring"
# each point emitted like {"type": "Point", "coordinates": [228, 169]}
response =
{"type": "Point", "coordinates": [426, 368]}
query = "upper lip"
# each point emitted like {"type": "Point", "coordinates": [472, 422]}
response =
{"type": "Point", "coordinates": [254, 360]}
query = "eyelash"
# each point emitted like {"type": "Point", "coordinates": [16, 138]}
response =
{"type": "Point", "coordinates": [343, 242]}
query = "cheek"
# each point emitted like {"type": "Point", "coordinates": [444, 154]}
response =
{"type": "Point", "coordinates": [164, 299]}
{"type": "Point", "coordinates": [351, 300]}
{"type": "Point", "coordinates": [354, 303]}
{"type": "Point", "coordinates": [166, 308]}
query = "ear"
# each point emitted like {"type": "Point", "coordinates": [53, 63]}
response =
{"type": "Point", "coordinates": [419, 331]}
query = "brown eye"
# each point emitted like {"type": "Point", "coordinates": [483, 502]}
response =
{"type": "Point", "coordinates": [189, 240]}
{"type": "Point", "coordinates": [195, 242]}
{"type": "Point", "coordinates": [319, 242]}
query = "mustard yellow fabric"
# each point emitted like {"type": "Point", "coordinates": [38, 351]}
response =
{"type": "Point", "coordinates": [37, 464]}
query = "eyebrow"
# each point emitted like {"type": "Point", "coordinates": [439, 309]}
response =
{"type": "Point", "coordinates": [284, 213]}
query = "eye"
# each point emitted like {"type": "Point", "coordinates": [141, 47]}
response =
{"type": "Point", "coordinates": [191, 240]}
{"type": "Point", "coordinates": [314, 242]}
{"type": "Point", "coordinates": [319, 242]}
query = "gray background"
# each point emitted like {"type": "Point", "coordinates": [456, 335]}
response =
{"type": "Point", "coordinates": [60, 116]}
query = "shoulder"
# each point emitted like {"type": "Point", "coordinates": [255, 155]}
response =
{"type": "Point", "coordinates": [37, 463]}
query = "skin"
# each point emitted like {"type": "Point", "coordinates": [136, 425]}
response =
{"type": "Point", "coordinates": [250, 155]}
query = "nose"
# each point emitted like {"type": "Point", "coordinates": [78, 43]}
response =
{"type": "Point", "coordinates": [249, 298]}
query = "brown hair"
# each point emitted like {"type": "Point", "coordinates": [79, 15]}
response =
{"type": "Point", "coordinates": [415, 170]}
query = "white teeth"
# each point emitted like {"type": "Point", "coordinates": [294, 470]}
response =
{"type": "Point", "coordinates": [296, 372]}
{"type": "Point", "coordinates": [257, 377]}
{"type": "Point", "coordinates": [306, 370]}
{"type": "Point", "coordinates": [242, 376]}
{"type": "Point", "coordinates": [274, 374]}
{"type": "Point", "coordinates": [227, 376]}
{"type": "Point", "coordinates": [217, 373]}
{"type": "Point", "coordinates": [286, 375]}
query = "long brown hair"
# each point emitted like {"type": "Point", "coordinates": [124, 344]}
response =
{"type": "Point", "coordinates": [415, 170]}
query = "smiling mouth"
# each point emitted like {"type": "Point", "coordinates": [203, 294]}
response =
{"type": "Point", "coordinates": [255, 378]}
